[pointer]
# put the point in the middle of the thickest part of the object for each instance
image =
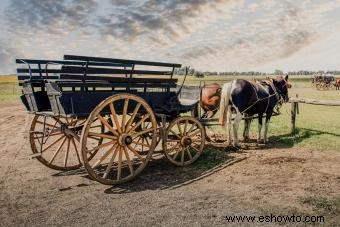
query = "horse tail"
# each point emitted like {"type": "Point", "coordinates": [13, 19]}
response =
{"type": "Point", "coordinates": [224, 103]}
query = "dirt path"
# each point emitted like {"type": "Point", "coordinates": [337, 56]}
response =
{"type": "Point", "coordinates": [254, 182]}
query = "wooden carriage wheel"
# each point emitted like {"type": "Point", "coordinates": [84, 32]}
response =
{"type": "Point", "coordinates": [184, 140]}
{"type": "Point", "coordinates": [55, 141]}
{"type": "Point", "coordinates": [117, 159]}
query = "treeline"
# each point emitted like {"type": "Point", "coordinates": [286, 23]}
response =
{"type": "Point", "coordinates": [193, 72]}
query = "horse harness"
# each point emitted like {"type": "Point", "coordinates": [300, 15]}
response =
{"type": "Point", "coordinates": [276, 93]}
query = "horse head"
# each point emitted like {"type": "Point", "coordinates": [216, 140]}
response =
{"type": "Point", "coordinates": [282, 85]}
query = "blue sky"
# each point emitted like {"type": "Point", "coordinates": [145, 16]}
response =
{"type": "Point", "coordinates": [220, 35]}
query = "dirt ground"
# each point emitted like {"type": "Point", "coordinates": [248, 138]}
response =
{"type": "Point", "coordinates": [250, 182]}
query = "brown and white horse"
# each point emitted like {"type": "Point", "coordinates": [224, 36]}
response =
{"type": "Point", "coordinates": [245, 97]}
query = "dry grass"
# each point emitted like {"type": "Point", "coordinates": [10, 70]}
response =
{"type": "Point", "coordinates": [8, 79]}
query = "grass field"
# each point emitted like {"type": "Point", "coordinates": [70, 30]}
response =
{"type": "Point", "coordinates": [317, 126]}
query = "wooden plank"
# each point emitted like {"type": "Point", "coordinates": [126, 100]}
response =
{"type": "Point", "coordinates": [26, 70]}
{"type": "Point", "coordinates": [116, 60]}
{"type": "Point", "coordinates": [118, 79]}
{"type": "Point", "coordinates": [83, 63]}
{"type": "Point", "coordinates": [73, 83]}
{"type": "Point", "coordinates": [94, 70]}
{"type": "Point", "coordinates": [316, 102]}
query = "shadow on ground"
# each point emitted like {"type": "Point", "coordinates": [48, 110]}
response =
{"type": "Point", "coordinates": [299, 135]}
{"type": "Point", "coordinates": [161, 174]}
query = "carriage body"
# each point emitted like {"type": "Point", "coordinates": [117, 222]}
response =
{"type": "Point", "coordinates": [127, 100]}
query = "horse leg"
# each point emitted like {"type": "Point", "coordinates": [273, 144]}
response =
{"type": "Point", "coordinates": [229, 117]}
{"type": "Point", "coordinates": [259, 128]}
{"type": "Point", "coordinates": [246, 129]}
{"type": "Point", "coordinates": [236, 124]}
{"type": "Point", "coordinates": [265, 138]}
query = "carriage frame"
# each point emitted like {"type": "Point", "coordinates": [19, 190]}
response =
{"type": "Point", "coordinates": [108, 115]}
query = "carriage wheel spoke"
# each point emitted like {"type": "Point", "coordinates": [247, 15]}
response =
{"type": "Point", "coordinates": [53, 126]}
{"type": "Point", "coordinates": [142, 144]}
{"type": "Point", "coordinates": [182, 157]}
{"type": "Point", "coordinates": [75, 147]}
{"type": "Point", "coordinates": [114, 117]}
{"type": "Point", "coordinates": [128, 160]}
{"type": "Point", "coordinates": [175, 134]}
{"type": "Point", "coordinates": [139, 139]}
{"type": "Point", "coordinates": [57, 151]}
{"type": "Point", "coordinates": [172, 148]}
{"type": "Point", "coordinates": [139, 122]}
{"type": "Point", "coordinates": [39, 137]}
{"type": "Point", "coordinates": [54, 142]}
{"type": "Point", "coordinates": [176, 154]}
{"type": "Point", "coordinates": [119, 172]}
{"type": "Point", "coordinates": [189, 154]}
{"type": "Point", "coordinates": [128, 124]}
{"type": "Point", "coordinates": [137, 154]}
{"type": "Point", "coordinates": [67, 151]}
{"type": "Point", "coordinates": [94, 138]}
{"type": "Point", "coordinates": [185, 128]}
{"type": "Point", "coordinates": [101, 146]}
{"type": "Point", "coordinates": [195, 133]}
{"type": "Point", "coordinates": [96, 126]}
{"type": "Point", "coordinates": [126, 104]}
{"type": "Point", "coordinates": [147, 141]}
{"type": "Point", "coordinates": [103, 121]}
{"type": "Point", "coordinates": [173, 140]}
{"type": "Point", "coordinates": [179, 129]}
{"type": "Point", "coordinates": [102, 135]}
{"type": "Point", "coordinates": [109, 166]}
{"type": "Point", "coordinates": [142, 132]}
{"type": "Point", "coordinates": [103, 157]}
{"type": "Point", "coordinates": [191, 128]}
{"type": "Point", "coordinates": [194, 148]}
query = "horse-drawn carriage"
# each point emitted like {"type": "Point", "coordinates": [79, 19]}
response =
{"type": "Point", "coordinates": [324, 81]}
{"type": "Point", "coordinates": [108, 115]}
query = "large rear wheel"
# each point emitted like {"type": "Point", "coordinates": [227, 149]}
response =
{"type": "Point", "coordinates": [119, 157]}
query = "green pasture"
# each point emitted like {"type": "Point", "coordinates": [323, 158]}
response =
{"type": "Point", "coordinates": [318, 127]}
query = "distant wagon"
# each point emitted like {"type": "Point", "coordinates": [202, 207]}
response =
{"type": "Point", "coordinates": [324, 81]}
{"type": "Point", "coordinates": [108, 115]}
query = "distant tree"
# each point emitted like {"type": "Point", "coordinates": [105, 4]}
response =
{"type": "Point", "coordinates": [191, 72]}
{"type": "Point", "coordinates": [198, 74]}
{"type": "Point", "coordinates": [278, 72]}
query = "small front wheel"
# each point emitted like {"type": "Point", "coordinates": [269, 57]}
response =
{"type": "Point", "coordinates": [184, 140]}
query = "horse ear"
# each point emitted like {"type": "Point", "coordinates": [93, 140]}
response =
{"type": "Point", "coordinates": [286, 78]}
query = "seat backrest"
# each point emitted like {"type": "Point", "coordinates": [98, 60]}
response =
{"type": "Point", "coordinates": [82, 69]}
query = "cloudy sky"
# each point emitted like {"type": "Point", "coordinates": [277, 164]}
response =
{"type": "Point", "coordinates": [215, 35]}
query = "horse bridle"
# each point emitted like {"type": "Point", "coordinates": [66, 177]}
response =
{"type": "Point", "coordinates": [278, 91]}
